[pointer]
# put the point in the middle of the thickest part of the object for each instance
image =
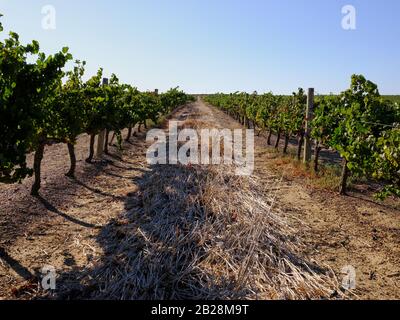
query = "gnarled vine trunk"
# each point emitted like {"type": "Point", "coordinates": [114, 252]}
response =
{"type": "Point", "coordinates": [285, 148]}
{"type": "Point", "coordinates": [317, 151]}
{"type": "Point", "coordinates": [269, 137]}
{"type": "Point", "coordinates": [91, 148]}
{"type": "Point", "coordinates": [72, 157]}
{"type": "Point", "coordinates": [106, 141]}
{"type": "Point", "coordinates": [300, 146]}
{"type": "Point", "coordinates": [344, 178]}
{"type": "Point", "coordinates": [37, 168]}
{"type": "Point", "coordinates": [128, 137]}
{"type": "Point", "coordinates": [278, 139]}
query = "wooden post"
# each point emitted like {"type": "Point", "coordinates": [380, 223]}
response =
{"type": "Point", "coordinates": [102, 135]}
{"type": "Point", "coordinates": [309, 118]}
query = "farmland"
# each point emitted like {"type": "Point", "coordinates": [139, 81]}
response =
{"type": "Point", "coordinates": [316, 218]}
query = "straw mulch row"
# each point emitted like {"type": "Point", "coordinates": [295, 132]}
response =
{"type": "Point", "coordinates": [192, 232]}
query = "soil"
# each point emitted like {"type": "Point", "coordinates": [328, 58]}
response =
{"type": "Point", "coordinates": [60, 228]}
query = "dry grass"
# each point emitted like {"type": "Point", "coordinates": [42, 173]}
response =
{"type": "Point", "coordinates": [195, 124]}
{"type": "Point", "coordinates": [291, 166]}
{"type": "Point", "coordinates": [196, 233]}
{"type": "Point", "coordinates": [327, 178]}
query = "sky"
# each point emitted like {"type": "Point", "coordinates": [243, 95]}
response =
{"type": "Point", "coordinates": [207, 46]}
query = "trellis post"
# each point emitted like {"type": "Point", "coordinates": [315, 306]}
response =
{"type": "Point", "coordinates": [309, 118]}
{"type": "Point", "coordinates": [102, 135]}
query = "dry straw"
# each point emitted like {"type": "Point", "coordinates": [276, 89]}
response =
{"type": "Point", "coordinates": [204, 233]}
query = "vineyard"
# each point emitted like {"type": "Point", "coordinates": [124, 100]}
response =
{"type": "Point", "coordinates": [38, 109]}
{"type": "Point", "coordinates": [359, 124]}
{"type": "Point", "coordinates": [78, 194]}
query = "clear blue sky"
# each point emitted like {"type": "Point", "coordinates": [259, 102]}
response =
{"type": "Point", "coordinates": [222, 45]}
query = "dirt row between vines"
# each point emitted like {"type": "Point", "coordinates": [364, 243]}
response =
{"type": "Point", "coordinates": [62, 227]}
{"type": "Point", "coordinates": [354, 231]}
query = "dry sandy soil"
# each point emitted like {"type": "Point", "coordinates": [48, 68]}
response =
{"type": "Point", "coordinates": [61, 227]}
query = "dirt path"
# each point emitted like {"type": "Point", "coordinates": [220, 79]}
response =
{"type": "Point", "coordinates": [60, 228]}
{"type": "Point", "coordinates": [342, 231]}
